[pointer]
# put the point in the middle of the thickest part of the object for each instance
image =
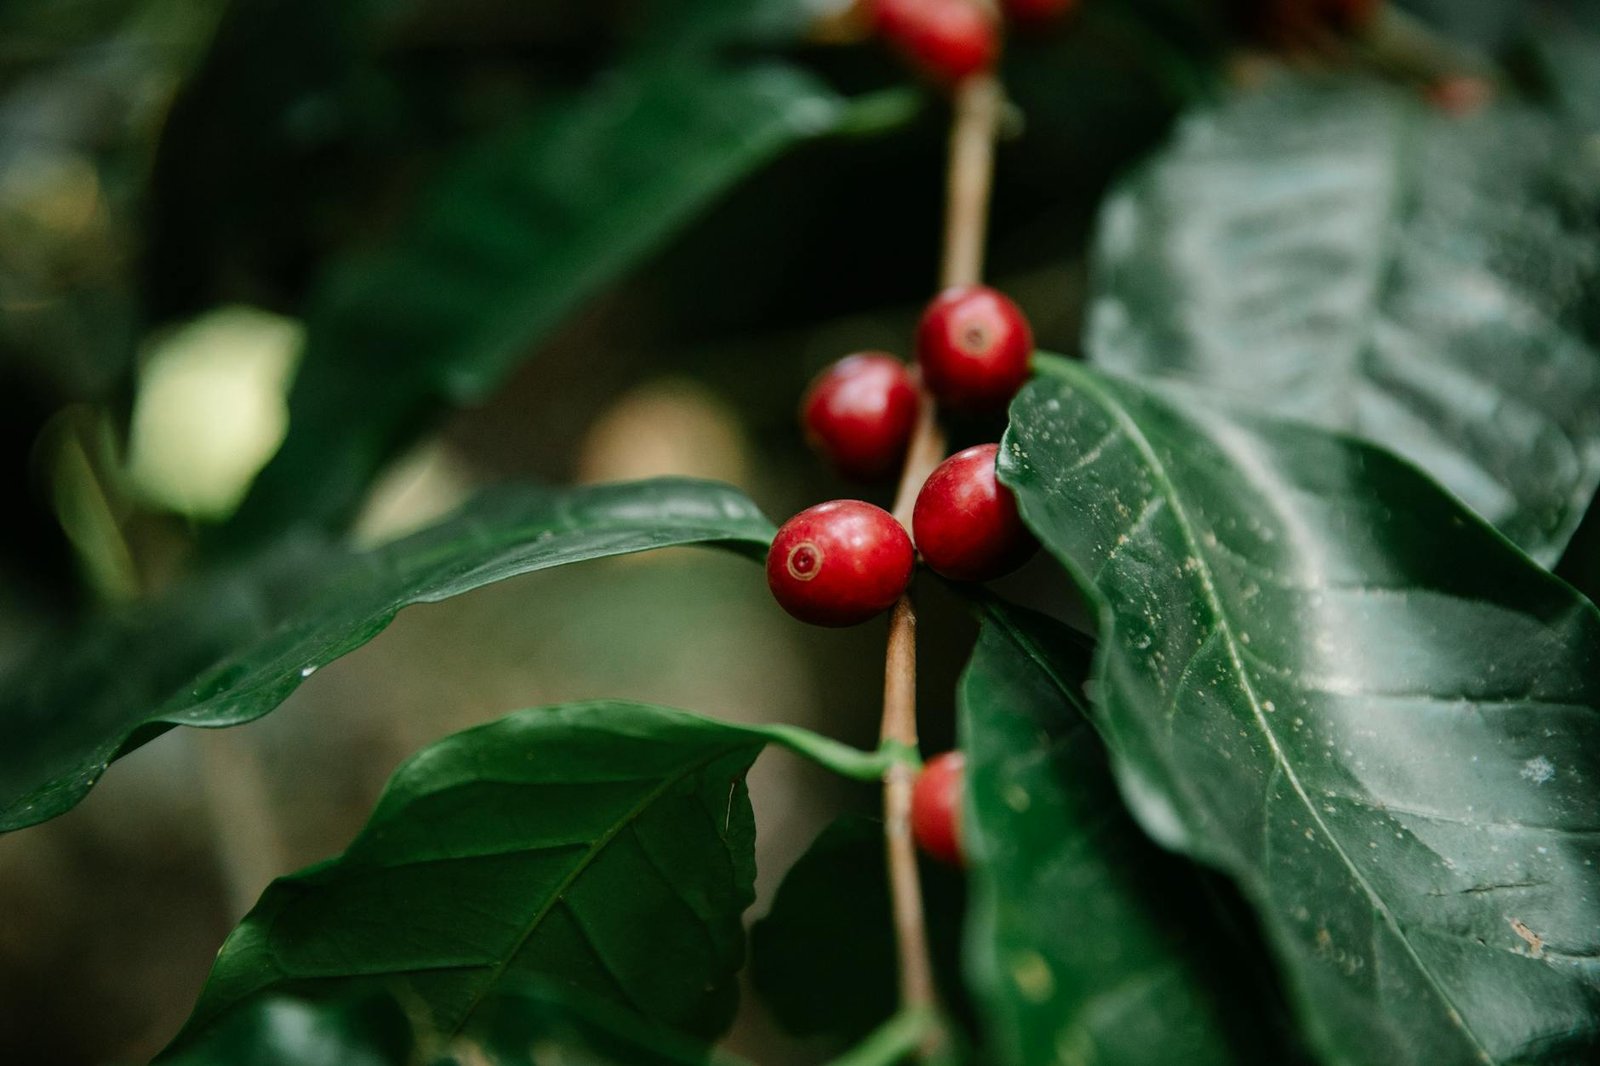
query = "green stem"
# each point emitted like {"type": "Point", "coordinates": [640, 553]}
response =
{"type": "Point", "coordinates": [893, 1041]}
{"type": "Point", "coordinates": [842, 759]}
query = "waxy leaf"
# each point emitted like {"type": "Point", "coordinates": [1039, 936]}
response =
{"type": "Point", "coordinates": [280, 1031]}
{"type": "Point", "coordinates": [1320, 674]}
{"type": "Point", "coordinates": [607, 847]}
{"type": "Point", "coordinates": [232, 647]}
{"type": "Point", "coordinates": [527, 1023]}
{"type": "Point", "coordinates": [1085, 941]}
{"type": "Point", "coordinates": [1345, 255]}
{"type": "Point", "coordinates": [506, 244]}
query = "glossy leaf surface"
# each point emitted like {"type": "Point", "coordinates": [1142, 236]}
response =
{"type": "Point", "coordinates": [1345, 255]}
{"type": "Point", "coordinates": [506, 244]}
{"type": "Point", "coordinates": [231, 648]}
{"type": "Point", "coordinates": [280, 1031]}
{"type": "Point", "coordinates": [514, 1027]}
{"type": "Point", "coordinates": [1320, 674]}
{"type": "Point", "coordinates": [603, 847]}
{"type": "Point", "coordinates": [1085, 942]}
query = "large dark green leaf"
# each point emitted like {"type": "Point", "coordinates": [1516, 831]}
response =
{"type": "Point", "coordinates": [1086, 942]}
{"type": "Point", "coordinates": [232, 647]}
{"type": "Point", "coordinates": [1341, 254]}
{"type": "Point", "coordinates": [509, 241]}
{"type": "Point", "coordinates": [1322, 675]}
{"type": "Point", "coordinates": [605, 847]}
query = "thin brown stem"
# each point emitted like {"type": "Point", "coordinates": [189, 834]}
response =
{"type": "Point", "coordinates": [971, 169]}
{"type": "Point", "coordinates": [972, 136]}
{"type": "Point", "coordinates": [905, 888]}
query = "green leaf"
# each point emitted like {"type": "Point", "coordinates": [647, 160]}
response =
{"type": "Point", "coordinates": [507, 243]}
{"type": "Point", "coordinates": [1342, 254]}
{"type": "Point", "coordinates": [1320, 674]}
{"type": "Point", "coordinates": [234, 645]}
{"type": "Point", "coordinates": [527, 1023]}
{"type": "Point", "coordinates": [1565, 48]}
{"type": "Point", "coordinates": [605, 847]}
{"type": "Point", "coordinates": [823, 958]}
{"type": "Point", "coordinates": [1085, 942]}
{"type": "Point", "coordinates": [279, 1031]}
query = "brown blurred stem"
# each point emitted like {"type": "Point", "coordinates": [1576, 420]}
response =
{"type": "Point", "coordinates": [971, 168]}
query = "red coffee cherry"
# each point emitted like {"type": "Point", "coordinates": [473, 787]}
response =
{"type": "Point", "coordinates": [966, 522]}
{"type": "Point", "coordinates": [1037, 13]}
{"type": "Point", "coordinates": [839, 563]}
{"type": "Point", "coordinates": [947, 40]}
{"type": "Point", "coordinates": [973, 345]}
{"type": "Point", "coordinates": [858, 414]}
{"type": "Point", "coordinates": [936, 807]}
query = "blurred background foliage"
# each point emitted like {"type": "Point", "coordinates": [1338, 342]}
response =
{"type": "Point", "coordinates": [386, 251]}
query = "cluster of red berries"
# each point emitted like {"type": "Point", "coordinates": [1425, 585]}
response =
{"type": "Point", "coordinates": [948, 40]}
{"type": "Point", "coordinates": [842, 562]}
{"type": "Point", "coordinates": [845, 561]}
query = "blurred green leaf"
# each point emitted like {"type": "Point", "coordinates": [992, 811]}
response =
{"type": "Point", "coordinates": [1320, 674]}
{"type": "Point", "coordinates": [232, 646]}
{"type": "Point", "coordinates": [823, 958]}
{"type": "Point", "coordinates": [513, 1027]}
{"type": "Point", "coordinates": [1565, 44]}
{"type": "Point", "coordinates": [280, 1031]}
{"type": "Point", "coordinates": [508, 241]}
{"type": "Point", "coordinates": [527, 1024]}
{"type": "Point", "coordinates": [1341, 254]}
{"type": "Point", "coordinates": [1086, 942]}
{"type": "Point", "coordinates": [607, 847]}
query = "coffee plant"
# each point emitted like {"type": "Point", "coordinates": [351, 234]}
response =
{"type": "Point", "coordinates": [1212, 397]}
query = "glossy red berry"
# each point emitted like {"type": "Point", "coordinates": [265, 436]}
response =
{"type": "Point", "coordinates": [1037, 13]}
{"type": "Point", "coordinates": [936, 807]}
{"type": "Point", "coordinates": [839, 563]}
{"type": "Point", "coordinates": [973, 345]}
{"type": "Point", "coordinates": [966, 523]}
{"type": "Point", "coordinates": [945, 39]}
{"type": "Point", "coordinates": [858, 414]}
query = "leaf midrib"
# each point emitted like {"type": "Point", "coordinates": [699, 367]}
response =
{"type": "Point", "coordinates": [1180, 515]}
{"type": "Point", "coordinates": [497, 971]}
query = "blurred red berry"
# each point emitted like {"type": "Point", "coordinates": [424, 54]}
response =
{"type": "Point", "coordinates": [973, 345]}
{"type": "Point", "coordinates": [936, 807]}
{"type": "Point", "coordinates": [1460, 95]}
{"type": "Point", "coordinates": [947, 40]}
{"type": "Point", "coordinates": [859, 413]}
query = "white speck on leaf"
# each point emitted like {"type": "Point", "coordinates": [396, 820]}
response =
{"type": "Point", "coordinates": [1538, 770]}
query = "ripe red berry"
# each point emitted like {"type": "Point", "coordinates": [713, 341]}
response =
{"type": "Point", "coordinates": [973, 345]}
{"type": "Point", "coordinates": [936, 807]}
{"type": "Point", "coordinates": [945, 39]}
{"type": "Point", "coordinates": [966, 522]}
{"type": "Point", "coordinates": [839, 563]}
{"type": "Point", "coordinates": [858, 414]}
{"type": "Point", "coordinates": [1036, 13]}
